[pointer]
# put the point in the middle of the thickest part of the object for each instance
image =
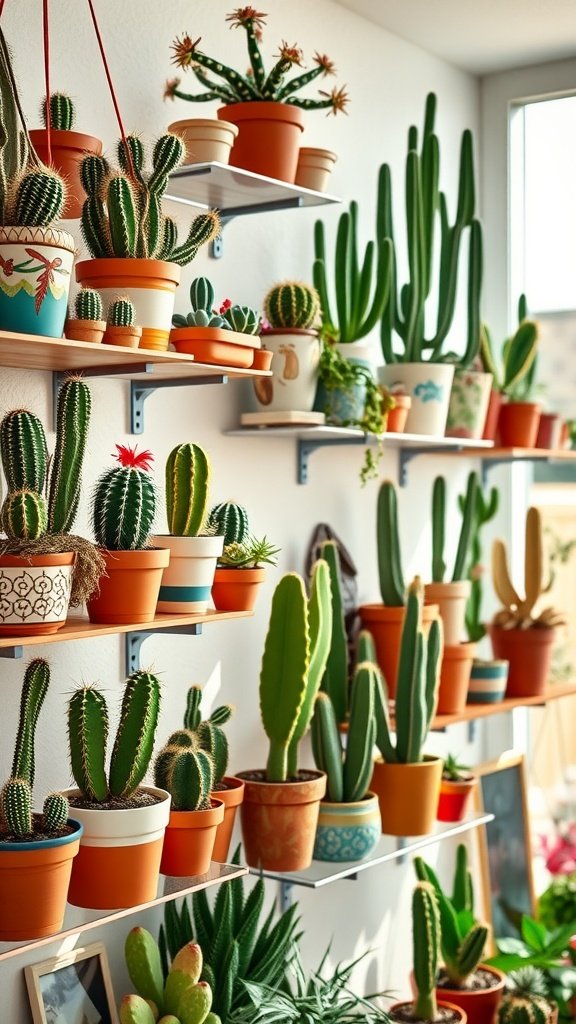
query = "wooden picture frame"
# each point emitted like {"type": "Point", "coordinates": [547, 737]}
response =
{"type": "Point", "coordinates": [71, 987]}
{"type": "Point", "coordinates": [504, 844]}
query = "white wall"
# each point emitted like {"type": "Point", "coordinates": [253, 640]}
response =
{"type": "Point", "coordinates": [388, 80]}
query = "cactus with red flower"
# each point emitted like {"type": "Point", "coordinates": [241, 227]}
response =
{"type": "Point", "coordinates": [124, 502]}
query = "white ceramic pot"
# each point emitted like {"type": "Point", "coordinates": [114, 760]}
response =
{"type": "Point", "coordinates": [468, 405]}
{"type": "Point", "coordinates": [451, 599]}
{"type": "Point", "coordinates": [296, 354]}
{"type": "Point", "coordinates": [187, 581]}
{"type": "Point", "coordinates": [35, 274]}
{"type": "Point", "coordinates": [314, 168]}
{"type": "Point", "coordinates": [206, 139]}
{"type": "Point", "coordinates": [34, 593]}
{"type": "Point", "coordinates": [428, 385]}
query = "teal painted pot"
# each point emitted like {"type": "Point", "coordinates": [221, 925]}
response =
{"type": "Point", "coordinates": [35, 272]}
{"type": "Point", "coordinates": [488, 682]}
{"type": "Point", "coordinates": [344, 407]}
{"type": "Point", "coordinates": [348, 831]}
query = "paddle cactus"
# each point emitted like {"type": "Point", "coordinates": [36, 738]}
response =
{"type": "Point", "coordinates": [468, 510]}
{"type": "Point", "coordinates": [121, 313]}
{"type": "Point", "coordinates": [426, 950]}
{"type": "Point", "coordinates": [124, 502]}
{"type": "Point", "coordinates": [392, 586]}
{"type": "Point", "coordinates": [187, 482]}
{"type": "Point", "coordinates": [24, 515]}
{"type": "Point", "coordinates": [335, 680]}
{"type": "Point", "coordinates": [188, 775]}
{"type": "Point", "coordinates": [181, 999]}
{"type": "Point", "coordinates": [243, 319]}
{"type": "Point", "coordinates": [88, 304]}
{"type": "Point", "coordinates": [62, 118]}
{"type": "Point", "coordinates": [230, 520]}
{"type": "Point", "coordinates": [292, 304]}
{"type": "Point", "coordinates": [349, 772]}
{"type": "Point", "coordinates": [518, 612]}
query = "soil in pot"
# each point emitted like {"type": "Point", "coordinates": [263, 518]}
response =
{"type": "Point", "coordinates": [279, 820]}
{"type": "Point", "coordinates": [403, 1013]}
{"type": "Point", "coordinates": [479, 998]}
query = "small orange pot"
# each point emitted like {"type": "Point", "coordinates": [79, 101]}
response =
{"type": "Point", "coordinates": [518, 424]}
{"type": "Point", "coordinates": [481, 1005]}
{"type": "Point", "coordinates": [385, 624]}
{"type": "Point", "coordinates": [268, 139]}
{"type": "Point", "coordinates": [408, 795]}
{"type": "Point", "coordinates": [68, 149]}
{"type": "Point", "coordinates": [189, 840]}
{"type": "Point", "coordinates": [279, 821]}
{"type": "Point", "coordinates": [396, 417]}
{"type": "Point", "coordinates": [123, 337]}
{"type": "Point", "coordinates": [493, 415]}
{"type": "Point", "coordinates": [455, 670]}
{"type": "Point", "coordinates": [529, 653]}
{"type": "Point", "coordinates": [236, 590]}
{"type": "Point", "coordinates": [216, 345]}
{"type": "Point", "coordinates": [129, 590]}
{"type": "Point", "coordinates": [549, 431]}
{"type": "Point", "coordinates": [262, 359]}
{"type": "Point", "coordinates": [34, 879]}
{"type": "Point", "coordinates": [454, 799]}
{"type": "Point", "coordinates": [85, 330]}
{"type": "Point", "coordinates": [34, 593]}
{"type": "Point", "coordinates": [231, 797]}
{"type": "Point", "coordinates": [459, 1017]}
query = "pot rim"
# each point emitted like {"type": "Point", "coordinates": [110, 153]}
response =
{"type": "Point", "coordinates": [117, 266]}
{"type": "Point", "coordinates": [428, 761]}
{"type": "Point", "coordinates": [443, 1003]}
{"type": "Point", "coordinates": [203, 122]}
{"type": "Point", "coordinates": [369, 798]}
{"type": "Point", "coordinates": [207, 817]}
{"type": "Point", "coordinates": [37, 561]}
{"type": "Point", "coordinates": [68, 138]}
{"type": "Point", "coordinates": [53, 237]}
{"type": "Point", "coordinates": [45, 844]}
{"type": "Point", "coordinates": [299, 331]}
{"type": "Point", "coordinates": [250, 574]}
{"type": "Point", "coordinates": [395, 613]}
{"type": "Point", "coordinates": [315, 774]}
{"type": "Point", "coordinates": [476, 993]}
{"type": "Point", "coordinates": [265, 109]}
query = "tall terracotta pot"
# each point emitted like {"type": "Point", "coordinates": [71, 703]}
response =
{"type": "Point", "coordinates": [129, 590]}
{"type": "Point", "coordinates": [231, 797]}
{"type": "Point", "coordinates": [279, 820]}
{"type": "Point", "coordinates": [518, 424]}
{"type": "Point", "coordinates": [68, 149]}
{"type": "Point", "coordinates": [455, 670]}
{"type": "Point", "coordinates": [451, 599]}
{"type": "Point", "coordinates": [268, 138]}
{"type": "Point", "coordinates": [189, 840]}
{"type": "Point", "coordinates": [385, 623]}
{"type": "Point", "coordinates": [479, 1005]}
{"type": "Point", "coordinates": [408, 795]}
{"type": "Point", "coordinates": [529, 653]}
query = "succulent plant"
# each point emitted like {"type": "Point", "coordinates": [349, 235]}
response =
{"type": "Point", "coordinates": [519, 352]}
{"type": "Point", "coordinates": [208, 732]}
{"type": "Point", "coordinates": [243, 319]}
{"type": "Point", "coordinates": [188, 474]}
{"type": "Point", "coordinates": [121, 313]}
{"type": "Point", "coordinates": [392, 585]}
{"type": "Point", "coordinates": [525, 1000]}
{"type": "Point", "coordinates": [517, 612]}
{"type": "Point", "coordinates": [202, 313]}
{"type": "Point", "coordinates": [454, 771]}
{"type": "Point", "coordinates": [228, 519]}
{"type": "Point", "coordinates": [485, 508]}
{"type": "Point", "coordinates": [251, 554]}
{"type": "Point", "coordinates": [292, 304]}
{"type": "Point", "coordinates": [124, 502]}
{"type": "Point", "coordinates": [88, 304]}
{"type": "Point", "coordinates": [349, 771]}
{"type": "Point", "coordinates": [62, 118]}
{"type": "Point", "coordinates": [468, 509]}
{"type": "Point", "coordinates": [426, 950]}
{"type": "Point", "coordinates": [181, 999]}
{"type": "Point", "coordinates": [231, 87]}
{"type": "Point", "coordinates": [335, 679]}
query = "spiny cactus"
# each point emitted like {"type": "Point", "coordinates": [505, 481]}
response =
{"type": "Point", "coordinates": [188, 775]}
{"type": "Point", "coordinates": [15, 155]}
{"type": "Point", "coordinates": [519, 352]}
{"type": "Point", "coordinates": [392, 585]}
{"type": "Point", "coordinates": [468, 509]}
{"type": "Point", "coordinates": [55, 812]}
{"type": "Point", "coordinates": [24, 515]}
{"type": "Point", "coordinates": [484, 510]}
{"type": "Point", "coordinates": [24, 451]}
{"type": "Point", "coordinates": [230, 520]}
{"type": "Point", "coordinates": [62, 116]}
{"type": "Point", "coordinates": [193, 715]}
{"type": "Point", "coordinates": [426, 950]}
{"type": "Point", "coordinates": [292, 304]}
{"type": "Point", "coordinates": [181, 999]}
{"type": "Point", "coordinates": [34, 690]}
{"type": "Point", "coordinates": [349, 772]}
{"type": "Point", "coordinates": [518, 611]}
{"type": "Point", "coordinates": [16, 801]}
{"type": "Point", "coordinates": [121, 313]}
{"type": "Point", "coordinates": [87, 738]}
{"type": "Point", "coordinates": [213, 740]}
{"type": "Point", "coordinates": [124, 502]}
{"type": "Point", "coordinates": [243, 319]}
{"type": "Point", "coordinates": [335, 680]}
{"type": "Point", "coordinates": [526, 999]}
{"type": "Point", "coordinates": [72, 421]}
{"type": "Point", "coordinates": [208, 733]}
{"type": "Point", "coordinates": [201, 294]}
{"type": "Point", "coordinates": [40, 198]}
{"type": "Point", "coordinates": [88, 304]}
{"type": "Point", "coordinates": [187, 483]}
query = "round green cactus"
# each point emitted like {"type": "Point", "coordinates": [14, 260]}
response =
{"type": "Point", "coordinates": [243, 319]}
{"type": "Point", "coordinates": [40, 198]}
{"type": "Point", "coordinates": [292, 304]}
{"type": "Point", "coordinates": [121, 313]}
{"type": "Point", "coordinates": [88, 305]}
{"type": "Point", "coordinates": [24, 515]}
{"type": "Point", "coordinates": [230, 520]}
{"type": "Point", "coordinates": [62, 112]}
{"type": "Point", "coordinates": [55, 812]}
{"type": "Point", "coordinates": [24, 451]}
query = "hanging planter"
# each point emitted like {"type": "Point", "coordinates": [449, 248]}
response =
{"type": "Point", "coordinates": [64, 149]}
{"type": "Point", "coordinates": [207, 139]}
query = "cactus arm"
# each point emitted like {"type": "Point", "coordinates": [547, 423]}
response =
{"type": "Point", "coordinates": [451, 937]}
{"type": "Point", "coordinates": [256, 62]}
{"type": "Point", "coordinates": [24, 451]}
{"type": "Point", "coordinates": [475, 270]}
{"type": "Point", "coordinates": [430, 163]}
{"type": "Point", "coordinates": [295, 84]}
{"type": "Point", "coordinates": [461, 887]}
{"type": "Point", "coordinates": [87, 737]}
{"type": "Point", "coordinates": [364, 285]}
{"type": "Point", "coordinates": [382, 290]}
{"type": "Point", "coordinates": [192, 715]}
{"type": "Point", "coordinates": [466, 528]}
{"type": "Point", "coordinates": [34, 690]}
{"type": "Point", "coordinates": [213, 740]}
{"type": "Point", "coordinates": [275, 79]}
{"type": "Point", "coordinates": [122, 217]}
{"type": "Point", "coordinates": [95, 229]}
{"type": "Point", "coordinates": [470, 953]}
{"type": "Point", "coordinates": [353, 272]}
{"type": "Point", "coordinates": [203, 229]}
{"type": "Point", "coordinates": [383, 738]}
{"type": "Point", "coordinates": [438, 529]}
{"type": "Point", "coordinates": [312, 104]}
{"type": "Point", "coordinates": [241, 86]}
{"type": "Point", "coordinates": [388, 546]}
{"type": "Point", "coordinates": [410, 694]}
{"type": "Point", "coordinates": [335, 680]}
{"type": "Point", "coordinates": [503, 586]}
{"type": "Point", "coordinates": [320, 284]}
{"type": "Point", "coordinates": [414, 233]}
{"type": "Point", "coordinates": [358, 760]}
{"type": "Point", "coordinates": [426, 929]}
{"type": "Point", "coordinates": [24, 515]}
{"type": "Point", "coordinates": [327, 747]}
{"type": "Point", "coordinates": [520, 355]}
{"type": "Point", "coordinates": [215, 93]}
{"type": "Point", "coordinates": [134, 741]}
{"type": "Point", "coordinates": [16, 807]}
{"type": "Point", "coordinates": [217, 89]}
{"type": "Point", "coordinates": [73, 419]}
{"type": "Point", "coordinates": [533, 561]}
{"type": "Point", "coordinates": [341, 275]}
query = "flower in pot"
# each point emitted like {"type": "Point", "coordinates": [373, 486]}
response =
{"type": "Point", "coordinates": [292, 312]}
{"type": "Point", "coordinates": [464, 980]}
{"type": "Point", "coordinates": [43, 567]}
{"type": "Point", "coordinates": [513, 416]}
{"type": "Point", "coordinates": [240, 567]}
{"type": "Point", "coordinates": [455, 789]}
{"type": "Point", "coordinates": [264, 106]}
{"type": "Point", "coordinates": [518, 634]}
{"type": "Point", "coordinates": [178, 998]}
{"type": "Point", "coordinates": [134, 245]}
{"type": "Point", "coordinates": [279, 814]}
{"type": "Point", "coordinates": [407, 781]}
{"type": "Point", "coordinates": [121, 326]}
{"type": "Point", "coordinates": [526, 999]}
{"type": "Point", "coordinates": [230, 337]}
{"type": "Point", "coordinates": [66, 149]}
{"type": "Point", "coordinates": [123, 510]}
{"type": "Point", "coordinates": [123, 821]}
{"type": "Point", "coordinates": [187, 584]}
{"type": "Point", "coordinates": [87, 325]}
{"type": "Point", "coordinates": [349, 824]}
{"type": "Point", "coordinates": [36, 850]}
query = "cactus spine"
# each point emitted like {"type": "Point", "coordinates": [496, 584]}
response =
{"type": "Point", "coordinates": [24, 451]}
{"type": "Point", "coordinates": [426, 942]}
{"type": "Point", "coordinates": [16, 801]}
{"type": "Point", "coordinates": [121, 313]}
{"type": "Point", "coordinates": [34, 690]}
{"type": "Point", "coordinates": [180, 999]}
{"type": "Point", "coordinates": [392, 586]}
{"type": "Point", "coordinates": [243, 319]}
{"type": "Point", "coordinates": [348, 771]}
{"type": "Point", "coordinates": [187, 483]}
{"type": "Point", "coordinates": [55, 812]}
{"type": "Point", "coordinates": [73, 418]}
{"type": "Point", "coordinates": [335, 680]}
{"type": "Point", "coordinates": [229, 520]}
{"type": "Point", "coordinates": [24, 515]}
{"type": "Point", "coordinates": [468, 509]}
{"type": "Point", "coordinates": [124, 502]}
{"type": "Point", "coordinates": [40, 198]}
{"type": "Point", "coordinates": [188, 775]}
{"type": "Point", "coordinates": [62, 115]}
{"type": "Point", "coordinates": [292, 304]}
{"type": "Point", "coordinates": [88, 305]}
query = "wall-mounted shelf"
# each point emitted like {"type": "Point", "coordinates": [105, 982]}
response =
{"type": "Point", "coordinates": [77, 920]}
{"type": "Point", "coordinates": [472, 712]}
{"type": "Point", "coordinates": [504, 456]}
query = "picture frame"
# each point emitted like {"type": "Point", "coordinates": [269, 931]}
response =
{"type": "Point", "coordinates": [73, 988]}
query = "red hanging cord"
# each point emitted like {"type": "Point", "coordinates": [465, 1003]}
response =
{"type": "Point", "coordinates": [110, 86]}
{"type": "Point", "coordinates": [46, 77]}
{"type": "Point", "coordinates": [2, 2]}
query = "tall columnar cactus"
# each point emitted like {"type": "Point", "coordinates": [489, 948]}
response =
{"type": "Point", "coordinates": [187, 484]}
{"type": "Point", "coordinates": [24, 451]}
{"type": "Point", "coordinates": [230, 520]}
{"type": "Point", "coordinates": [87, 738]}
{"type": "Point", "coordinates": [518, 612]}
{"type": "Point", "coordinates": [124, 502]}
{"type": "Point", "coordinates": [34, 690]}
{"type": "Point", "coordinates": [180, 999]}
{"type": "Point", "coordinates": [193, 714]}
{"type": "Point", "coordinates": [468, 510]}
{"type": "Point", "coordinates": [187, 773]}
{"type": "Point", "coordinates": [349, 772]}
{"type": "Point", "coordinates": [293, 663]}
{"type": "Point", "coordinates": [426, 950]}
{"type": "Point", "coordinates": [417, 687]}
{"type": "Point", "coordinates": [121, 313]}
{"type": "Point", "coordinates": [243, 319]}
{"type": "Point", "coordinates": [519, 353]}
{"type": "Point", "coordinates": [62, 115]}
{"type": "Point", "coordinates": [335, 679]}
{"type": "Point", "coordinates": [24, 515]}
{"type": "Point", "coordinates": [392, 586]}
{"type": "Point", "coordinates": [292, 304]}
{"type": "Point", "coordinates": [40, 198]}
{"type": "Point", "coordinates": [73, 418]}
{"type": "Point", "coordinates": [484, 510]}
{"type": "Point", "coordinates": [88, 304]}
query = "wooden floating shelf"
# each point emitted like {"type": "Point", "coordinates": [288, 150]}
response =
{"type": "Point", "coordinates": [474, 711]}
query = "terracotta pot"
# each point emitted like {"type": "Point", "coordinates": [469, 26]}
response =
{"type": "Point", "coordinates": [34, 880]}
{"type": "Point", "coordinates": [529, 653]}
{"type": "Point", "coordinates": [119, 858]}
{"type": "Point", "coordinates": [187, 582]}
{"type": "Point", "coordinates": [488, 681]}
{"type": "Point", "coordinates": [314, 168]}
{"type": "Point", "coordinates": [295, 361]}
{"type": "Point", "coordinates": [27, 254]}
{"type": "Point", "coordinates": [68, 149]}
{"type": "Point", "coordinates": [518, 424]}
{"type": "Point", "coordinates": [458, 1018]}
{"type": "Point", "coordinates": [236, 590]}
{"type": "Point", "coordinates": [348, 831]}
{"type": "Point", "coordinates": [215, 345]}
{"type": "Point", "coordinates": [207, 139]}
{"type": "Point", "coordinates": [451, 599]}
{"type": "Point", "coordinates": [429, 385]}
{"type": "Point", "coordinates": [481, 1005]}
{"type": "Point", "coordinates": [189, 840]}
{"type": "Point", "coordinates": [469, 400]}
{"type": "Point", "coordinates": [123, 337]}
{"type": "Point", "coordinates": [549, 431]}
{"type": "Point", "coordinates": [454, 799]}
{"type": "Point", "coordinates": [34, 593]}
{"type": "Point", "coordinates": [385, 624]}
{"type": "Point", "coordinates": [262, 359]}
{"type": "Point", "coordinates": [129, 590]}
{"type": "Point", "coordinates": [85, 330]}
{"type": "Point", "coordinates": [492, 415]}
{"type": "Point", "coordinates": [149, 284]}
{"type": "Point", "coordinates": [396, 417]}
{"type": "Point", "coordinates": [408, 795]}
{"type": "Point", "coordinates": [455, 669]}
{"type": "Point", "coordinates": [279, 821]}
{"type": "Point", "coordinates": [269, 137]}
{"type": "Point", "coordinates": [231, 797]}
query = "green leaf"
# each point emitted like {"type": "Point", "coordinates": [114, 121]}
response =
{"type": "Point", "coordinates": [533, 933]}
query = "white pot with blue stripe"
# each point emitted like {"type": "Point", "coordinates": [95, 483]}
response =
{"type": "Point", "coordinates": [187, 581]}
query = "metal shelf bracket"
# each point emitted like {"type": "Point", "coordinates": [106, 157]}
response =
{"type": "Point", "coordinates": [306, 447]}
{"type": "Point", "coordinates": [141, 390]}
{"type": "Point", "coordinates": [12, 652]}
{"type": "Point", "coordinates": [133, 642]}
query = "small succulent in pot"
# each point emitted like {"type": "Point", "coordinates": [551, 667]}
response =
{"type": "Point", "coordinates": [454, 771]}
{"type": "Point", "coordinates": [243, 319]}
{"type": "Point", "coordinates": [250, 554]}
{"type": "Point", "coordinates": [202, 312]}
{"type": "Point", "coordinates": [124, 502]}
{"type": "Point", "coordinates": [87, 323]}
{"type": "Point", "coordinates": [88, 304]}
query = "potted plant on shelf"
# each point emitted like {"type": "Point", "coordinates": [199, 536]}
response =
{"type": "Point", "coordinates": [455, 789]}
{"type": "Point", "coordinates": [36, 850]}
{"type": "Point", "coordinates": [67, 148]}
{"type": "Point", "coordinates": [512, 415]}
{"type": "Point", "coordinates": [279, 814]}
{"type": "Point", "coordinates": [121, 326]}
{"type": "Point", "coordinates": [240, 571]}
{"type": "Point", "coordinates": [265, 107]}
{"type": "Point", "coordinates": [406, 780]}
{"type": "Point", "coordinates": [526, 999]}
{"type": "Point", "coordinates": [43, 567]}
{"type": "Point", "coordinates": [519, 636]}
{"type": "Point", "coordinates": [349, 824]}
{"type": "Point", "coordinates": [187, 583]}
{"type": "Point", "coordinates": [123, 510]}
{"type": "Point", "coordinates": [464, 980]}
{"type": "Point", "coordinates": [88, 324]}
{"type": "Point", "coordinates": [180, 998]}
{"type": "Point", "coordinates": [124, 822]}
{"type": "Point", "coordinates": [134, 245]}
{"type": "Point", "coordinates": [230, 337]}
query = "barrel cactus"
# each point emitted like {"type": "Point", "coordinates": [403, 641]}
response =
{"type": "Point", "coordinates": [187, 483]}
{"type": "Point", "coordinates": [121, 313]}
{"type": "Point", "coordinates": [242, 319]}
{"type": "Point", "coordinates": [88, 305]}
{"type": "Point", "coordinates": [62, 115]}
{"type": "Point", "coordinates": [292, 304]}
{"type": "Point", "coordinates": [124, 502]}
{"type": "Point", "coordinates": [230, 520]}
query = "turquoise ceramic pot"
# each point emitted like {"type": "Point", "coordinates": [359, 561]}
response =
{"type": "Point", "coordinates": [35, 273]}
{"type": "Point", "coordinates": [487, 682]}
{"type": "Point", "coordinates": [348, 831]}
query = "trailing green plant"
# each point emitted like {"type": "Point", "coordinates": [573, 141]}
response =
{"type": "Point", "coordinates": [88, 304]}
{"type": "Point", "coordinates": [122, 215]}
{"type": "Point", "coordinates": [550, 951]}
{"type": "Point", "coordinates": [62, 117]}
{"type": "Point", "coordinates": [467, 507]}
{"type": "Point", "coordinates": [229, 86]}
{"type": "Point", "coordinates": [426, 950]}
{"type": "Point", "coordinates": [416, 687]}
{"type": "Point", "coordinates": [228, 519]}
{"type": "Point", "coordinates": [485, 509]}
{"type": "Point", "coordinates": [335, 679]}
{"type": "Point", "coordinates": [243, 319]}
{"type": "Point", "coordinates": [188, 473]}
{"type": "Point", "coordinates": [133, 743]}
{"type": "Point", "coordinates": [463, 938]}
{"type": "Point", "coordinates": [250, 554]}
{"type": "Point", "coordinates": [516, 377]}
{"type": "Point", "coordinates": [180, 999]}
{"type": "Point", "coordinates": [392, 583]}
{"type": "Point", "coordinates": [295, 652]}
{"type": "Point", "coordinates": [454, 771]}
{"type": "Point", "coordinates": [349, 771]}
{"type": "Point", "coordinates": [186, 771]}
{"type": "Point", "coordinates": [121, 313]}
{"type": "Point", "coordinates": [124, 502]}
{"type": "Point", "coordinates": [526, 999]}
{"type": "Point", "coordinates": [292, 304]}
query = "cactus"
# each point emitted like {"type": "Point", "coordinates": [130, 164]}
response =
{"type": "Point", "coordinates": [485, 509]}
{"type": "Point", "coordinates": [214, 741]}
{"type": "Point", "coordinates": [519, 352]}
{"type": "Point", "coordinates": [526, 999]}
{"type": "Point", "coordinates": [349, 772]}
{"type": "Point", "coordinates": [34, 690]}
{"type": "Point", "coordinates": [200, 318]}
{"type": "Point", "coordinates": [143, 963]}
{"type": "Point", "coordinates": [124, 502]}
{"type": "Point", "coordinates": [121, 313]}
{"type": "Point", "coordinates": [188, 775]}
{"type": "Point", "coordinates": [243, 319]}
{"type": "Point", "coordinates": [24, 515]}
{"type": "Point", "coordinates": [335, 680]}
{"type": "Point", "coordinates": [87, 738]}
{"type": "Point", "coordinates": [62, 118]}
{"type": "Point", "coordinates": [208, 733]}
{"type": "Point", "coordinates": [15, 154]}
{"type": "Point", "coordinates": [23, 451]}
{"type": "Point", "coordinates": [518, 612]}
{"type": "Point", "coordinates": [55, 812]}
{"type": "Point", "coordinates": [16, 804]}
{"type": "Point", "coordinates": [187, 483]}
{"type": "Point", "coordinates": [365, 647]}
{"type": "Point", "coordinates": [292, 304]}
{"type": "Point", "coordinates": [193, 716]}
{"type": "Point", "coordinates": [229, 520]}
{"type": "Point", "coordinates": [392, 586]}
{"type": "Point", "coordinates": [40, 198]}
{"type": "Point", "coordinates": [181, 999]}
{"type": "Point", "coordinates": [225, 84]}
{"type": "Point", "coordinates": [73, 418]}
{"type": "Point", "coordinates": [468, 508]}
{"type": "Point", "coordinates": [88, 305]}
{"type": "Point", "coordinates": [425, 944]}
{"type": "Point", "coordinates": [201, 294]}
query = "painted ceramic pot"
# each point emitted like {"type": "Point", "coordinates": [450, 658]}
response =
{"type": "Point", "coordinates": [429, 385]}
{"type": "Point", "coordinates": [279, 820]}
{"type": "Point", "coordinates": [268, 138]}
{"type": "Point", "coordinates": [295, 359]}
{"type": "Point", "coordinates": [348, 831]}
{"type": "Point", "coordinates": [34, 593]}
{"type": "Point", "coordinates": [35, 273]}
{"type": "Point", "coordinates": [468, 406]}
{"type": "Point", "coordinates": [207, 139]}
{"type": "Point", "coordinates": [187, 581]}
{"type": "Point", "coordinates": [488, 681]}
{"type": "Point", "coordinates": [314, 168]}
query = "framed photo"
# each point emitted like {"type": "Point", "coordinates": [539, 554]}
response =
{"type": "Point", "coordinates": [74, 988]}
{"type": "Point", "coordinates": [504, 846]}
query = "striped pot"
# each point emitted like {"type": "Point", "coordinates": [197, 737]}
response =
{"type": "Point", "coordinates": [487, 682]}
{"type": "Point", "coordinates": [187, 582]}
{"type": "Point", "coordinates": [348, 831]}
{"type": "Point", "coordinates": [35, 273]}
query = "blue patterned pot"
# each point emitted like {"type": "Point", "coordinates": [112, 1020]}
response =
{"type": "Point", "coordinates": [344, 407]}
{"type": "Point", "coordinates": [348, 831]}
{"type": "Point", "coordinates": [35, 272]}
{"type": "Point", "coordinates": [488, 682]}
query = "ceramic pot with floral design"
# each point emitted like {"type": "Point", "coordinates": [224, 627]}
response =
{"type": "Point", "coordinates": [468, 406]}
{"type": "Point", "coordinates": [35, 272]}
